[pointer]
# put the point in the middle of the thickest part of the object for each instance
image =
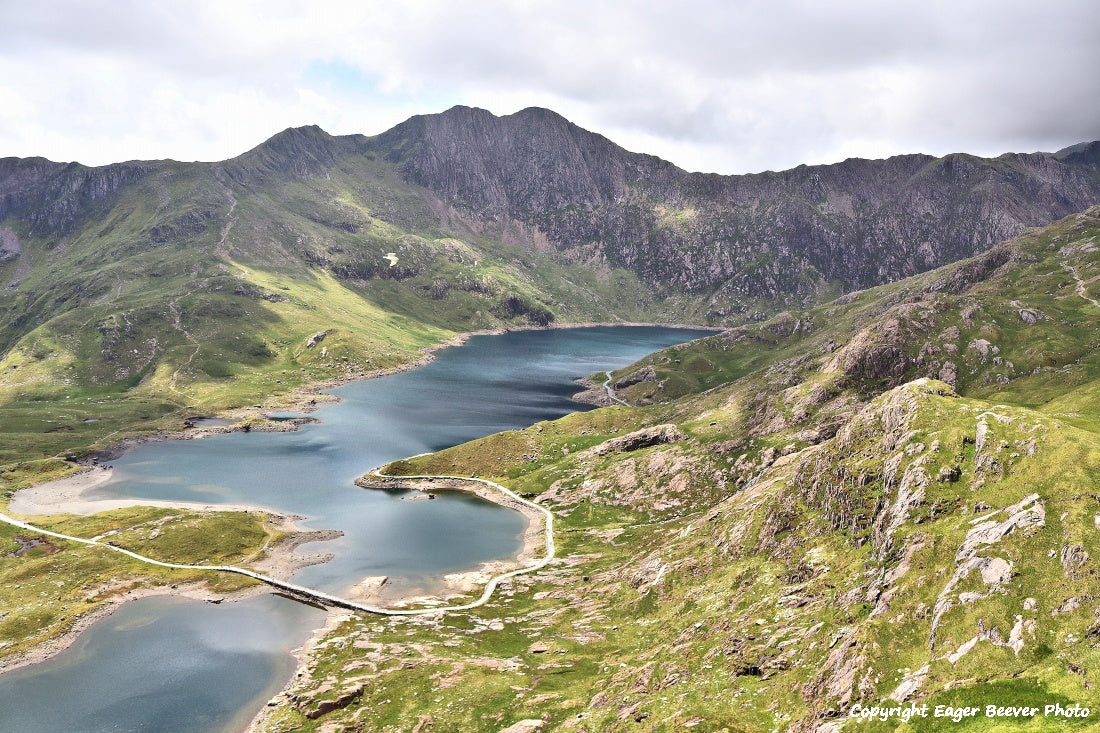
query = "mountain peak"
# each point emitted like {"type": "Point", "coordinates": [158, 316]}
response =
{"type": "Point", "coordinates": [295, 138]}
{"type": "Point", "coordinates": [540, 113]}
{"type": "Point", "coordinates": [1081, 152]}
{"type": "Point", "coordinates": [534, 159]}
{"type": "Point", "coordinates": [297, 151]}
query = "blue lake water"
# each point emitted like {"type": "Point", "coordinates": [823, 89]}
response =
{"type": "Point", "coordinates": [174, 655]}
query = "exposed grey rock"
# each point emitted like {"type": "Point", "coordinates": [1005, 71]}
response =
{"type": "Point", "coordinates": [643, 438]}
{"type": "Point", "coordinates": [983, 347]}
{"type": "Point", "coordinates": [1073, 558]}
{"type": "Point", "coordinates": [949, 373]}
{"type": "Point", "coordinates": [860, 222]}
{"type": "Point", "coordinates": [645, 374]}
{"type": "Point", "coordinates": [1028, 512]}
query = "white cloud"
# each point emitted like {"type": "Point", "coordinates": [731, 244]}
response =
{"type": "Point", "coordinates": [724, 86]}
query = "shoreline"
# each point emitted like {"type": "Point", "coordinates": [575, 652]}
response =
{"type": "Point", "coordinates": [278, 557]}
{"type": "Point", "coordinates": [463, 582]}
{"type": "Point", "coordinates": [68, 495]}
{"type": "Point", "coordinates": [50, 648]}
{"type": "Point", "coordinates": [307, 398]}
{"type": "Point", "coordinates": [488, 575]}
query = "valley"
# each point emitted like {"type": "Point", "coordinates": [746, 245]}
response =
{"type": "Point", "coordinates": [138, 295]}
{"type": "Point", "coordinates": [872, 485]}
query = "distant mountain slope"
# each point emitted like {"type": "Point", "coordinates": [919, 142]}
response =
{"type": "Point", "coordinates": [202, 283]}
{"type": "Point", "coordinates": [784, 236]}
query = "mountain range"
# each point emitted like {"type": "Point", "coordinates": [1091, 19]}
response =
{"type": "Point", "coordinates": [196, 283]}
{"type": "Point", "coordinates": [874, 487]}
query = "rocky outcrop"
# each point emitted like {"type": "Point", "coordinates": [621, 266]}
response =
{"type": "Point", "coordinates": [645, 374]}
{"type": "Point", "coordinates": [340, 699]}
{"type": "Point", "coordinates": [644, 438]}
{"type": "Point", "coordinates": [52, 196]}
{"type": "Point", "coordinates": [9, 245]}
{"type": "Point", "coordinates": [994, 571]}
{"type": "Point", "coordinates": [856, 494]}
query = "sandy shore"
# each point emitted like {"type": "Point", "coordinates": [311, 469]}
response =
{"type": "Point", "coordinates": [379, 591]}
{"type": "Point", "coordinates": [69, 495]}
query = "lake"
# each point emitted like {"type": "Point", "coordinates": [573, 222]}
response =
{"type": "Point", "coordinates": [166, 664]}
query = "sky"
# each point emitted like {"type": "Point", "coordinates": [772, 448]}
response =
{"type": "Point", "coordinates": [726, 86]}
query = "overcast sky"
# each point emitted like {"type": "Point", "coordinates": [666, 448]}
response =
{"type": "Point", "coordinates": [731, 87]}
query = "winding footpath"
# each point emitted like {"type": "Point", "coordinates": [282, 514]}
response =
{"type": "Point", "coordinates": [327, 598]}
{"type": "Point", "coordinates": [611, 393]}
{"type": "Point", "coordinates": [1081, 285]}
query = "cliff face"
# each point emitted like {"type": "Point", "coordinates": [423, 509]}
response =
{"type": "Point", "coordinates": [51, 196]}
{"type": "Point", "coordinates": [772, 235]}
{"type": "Point", "coordinates": [747, 241]}
{"type": "Point", "coordinates": [530, 162]}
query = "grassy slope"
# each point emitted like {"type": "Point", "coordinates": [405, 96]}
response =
{"type": "Point", "coordinates": [787, 559]}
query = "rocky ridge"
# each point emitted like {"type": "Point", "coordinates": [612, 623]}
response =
{"type": "Point", "coordinates": [784, 236]}
{"type": "Point", "coordinates": [820, 527]}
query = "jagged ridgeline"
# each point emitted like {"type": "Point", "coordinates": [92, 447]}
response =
{"type": "Point", "coordinates": [168, 273]}
{"type": "Point", "coordinates": [135, 289]}
{"type": "Point", "coordinates": [888, 499]}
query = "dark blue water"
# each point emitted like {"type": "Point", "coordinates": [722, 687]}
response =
{"type": "Point", "coordinates": [172, 664]}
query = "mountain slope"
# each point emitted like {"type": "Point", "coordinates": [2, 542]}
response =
{"type": "Point", "coordinates": [785, 235]}
{"type": "Point", "coordinates": [819, 527]}
{"type": "Point", "coordinates": [142, 293]}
